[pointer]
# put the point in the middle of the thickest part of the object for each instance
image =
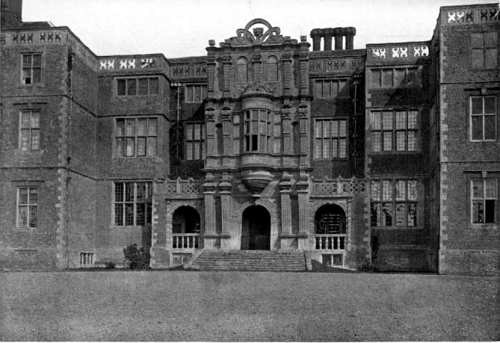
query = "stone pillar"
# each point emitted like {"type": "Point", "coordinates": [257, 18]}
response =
{"type": "Point", "coordinates": [288, 81]}
{"type": "Point", "coordinates": [338, 33]}
{"type": "Point", "coordinates": [211, 66]}
{"type": "Point", "coordinates": [328, 34]}
{"type": "Point", "coordinates": [302, 187]}
{"type": "Point", "coordinates": [226, 211]}
{"type": "Point", "coordinates": [316, 37]}
{"type": "Point", "coordinates": [304, 67]}
{"type": "Point", "coordinates": [210, 232]}
{"type": "Point", "coordinates": [350, 32]}
{"type": "Point", "coordinates": [286, 212]}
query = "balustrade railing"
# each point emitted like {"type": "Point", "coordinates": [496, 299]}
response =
{"type": "Point", "coordinates": [185, 240]}
{"type": "Point", "coordinates": [330, 242]}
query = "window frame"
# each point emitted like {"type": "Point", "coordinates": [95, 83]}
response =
{"type": "Point", "coordinates": [137, 81]}
{"type": "Point", "coordinates": [193, 141]}
{"type": "Point", "coordinates": [394, 131]}
{"type": "Point", "coordinates": [484, 198]}
{"type": "Point", "coordinates": [28, 205]}
{"type": "Point", "coordinates": [393, 201]}
{"type": "Point", "coordinates": [148, 203]}
{"type": "Point", "coordinates": [483, 50]}
{"type": "Point", "coordinates": [413, 77]}
{"type": "Point", "coordinates": [331, 138]}
{"type": "Point", "coordinates": [331, 95]}
{"type": "Point", "coordinates": [30, 130]}
{"type": "Point", "coordinates": [147, 137]}
{"type": "Point", "coordinates": [31, 68]}
{"type": "Point", "coordinates": [202, 93]}
{"type": "Point", "coordinates": [483, 115]}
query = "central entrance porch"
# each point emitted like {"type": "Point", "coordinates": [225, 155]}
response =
{"type": "Point", "coordinates": [256, 230]}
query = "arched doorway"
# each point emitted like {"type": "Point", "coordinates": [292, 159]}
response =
{"type": "Point", "coordinates": [256, 230]}
{"type": "Point", "coordinates": [330, 219]}
{"type": "Point", "coordinates": [185, 228]}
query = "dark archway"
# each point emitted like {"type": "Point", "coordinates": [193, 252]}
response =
{"type": "Point", "coordinates": [256, 229]}
{"type": "Point", "coordinates": [330, 219]}
{"type": "Point", "coordinates": [186, 220]}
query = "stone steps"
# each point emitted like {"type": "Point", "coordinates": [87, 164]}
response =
{"type": "Point", "coordinates": [242, 260]}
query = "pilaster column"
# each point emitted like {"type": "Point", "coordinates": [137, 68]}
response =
{"type": "Point", "coordinates": [211, 134]}
{"type": "Point", "coordinates": [302, 188]}
{"type": "Point", "coordinates": [211, 66]}
{"type": "Point", "coordinates": [210, 233]}
{"type": "Point", "coordinates": [226, 209]}
{"type": "Point", "coordinates": [286, 61]}
{"type": "Point", "coordinates": [227, 69]}
{"type": "Point", "coordinates": [286, 204]}
{"type": "Point", "coordinates": [258, 72]}
{"type": "Point", "coordinates": [304, 70]}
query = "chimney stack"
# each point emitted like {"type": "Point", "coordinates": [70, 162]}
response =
{"type": "Point", "coordinates": [350, 32]}
{"type": "Point", "coordinates": [338, 34]}
{"type": "Point", "coordinates": [316, 37]}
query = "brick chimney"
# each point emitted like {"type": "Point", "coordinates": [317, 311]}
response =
{"type": "Point", "coordinates": [316, 37]}
{"type": "Point", "coordinates": [349, 32]}
{"type": "Point", "coordinates": [338, 33]}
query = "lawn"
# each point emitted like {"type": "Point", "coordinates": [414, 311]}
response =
{"type": "Point", "coordinates": [177, 305]}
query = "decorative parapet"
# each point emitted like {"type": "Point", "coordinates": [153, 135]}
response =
{"type": "Point", "coordinates": [339, 187]}
{"type": "Point", "coordinates": [183, 188]}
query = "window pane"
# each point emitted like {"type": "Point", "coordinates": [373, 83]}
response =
{"type": "Point", "coordinates": [342, 128]}
{"type": "Point", "coordinates": [490, 104]}
{"type": "Point", "coordinates": [27, 61]}
{"type": "Point", "coordinates": [37, 61]}
{"type": "Point", "coordinates": [129, 127]}
{"type": "Point", "coordinates": [25, 119]}
{"type": "Point", "coordinates": [477, 58]}
{"type": "Point", "coordinates": [490, 127]}
{"type": "Point", "coordinates": [387, 78]}
{"type": "Point", "coordinates": [334, 128]}
{"type": "Point", "coordinates": [37, 75]}
{"type": "Point", "coordinates": [119, 192]}
{"type": "Point", "coordinates": [25, 139]}
{"type": "Point", "coordinates": [129, 191]}
{"type": "Point", "coordinates": [23, 196]}
{"type": "Point", "coordinates": [412, 214]}
{"type": "Point", "coordinates": [119, 146]}
{"type": "Point", "coordinates": [130, 148]}
{"type": "Point", "coordinates": [387, 120]}
{"type": "Point", "coordinates": [375, 79]}
{"type": "Point", "coordinates": [35, 120]}
{"type": "Point", "coordinates": [33, 216]}
{"type": "Point", "coordinates": [400, 214]}
{"type": "Point", "coordinates": [401, 190]}
{"type": "Point", "coordinates": [412, 141]}
{"type": "Point", "coordinates": [334, 90]}
{"type": "Point", "coordinates": [412, 190]}
{"type": "Point", "coordinates": [33, 196]}
{"type": "Point", "coordinates": [399, 75]}
{"type": "Point", "coordinates": [189, 94]}
{"type": "Point", "coordinates": [141, 192]}
{"type": "Point", "coordinates": [386, 190]}
{"type": "Point", "coordinates": [152, 146]}
{"type": "Point", "coordinates": [388, 214]}
{"type": "Point", "coordinates": [375, 214]}
{"type": "Point", "coordinates": [196, 154]}
{"type": "Point", "coordinates": [375, 190]}
{"type": "Point", "coordinates": [476, 40]}
{"type": "Point", "coordinates": [490, 39]}
{"type": "Point", "coordinates": [120, 127]}
{"type": "Point", "coordinates": [376, 120]}
{"type": "Point", "coordinates": [401, 140]}
{"type": "Point", "coordinates": [196, 132]}
{"type": "Point", "coordinates": [119, 214]}
{"type": "Point", "coordinates": [490, 211]}
{"type": "Point", "coordinates": [141, 146]}
{"type": "Point", "coordinates": [490, 58]}
{"type": "Point", "coordinates": [387, 141]}
{"type": "Point", "coordinates": [477, 127]}
{"type": "Point", "coordinates": [143, 86]}
{"type": "Point", "coordinates": [318, 89]}
{"type": "Point", "coordinates": [342, 148]}
{"type": "Point", "coordinates": [129, 214]}
{"type": "Point", "coordinates": [189, 151]}
{"type": "Point", "coordinates": [491, 188]}
{"type": "Point", "coordinates": [23, 216]}
{"type": "Point", "coordinates": [131, 87]}
{"type": "Point", "coordinates": [401, 120]}
{"type": "Point", "coordinates": [154, 86]}
{"type": "Point", "coordinates": [477, 189]}
{"type": "Point", "coordinates": [141, 127]}
{"type": "Point", "coordinates": [477, 105]}
{"type": "Point", "coordinates": [35, 139]}
{"type": "Point", "coordinates": [376, 141]}
{"type": "Point", "coordinates": [197, 93]}
{"type": "Point", "coordinates": [121, 87]}
{"type": "Point", "coordinates": [141, 214]}
{"type": "Point", "coordinates": [189, 132]}
{"type": "Point", "coordinates": [477, 212]}
{"type": "Point", "coordinates": [318, 148]}
{"type": "Point", "coordinates": [326, 89]}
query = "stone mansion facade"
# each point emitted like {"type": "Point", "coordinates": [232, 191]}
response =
{"type": "Point", "coordinates": [386, 157]}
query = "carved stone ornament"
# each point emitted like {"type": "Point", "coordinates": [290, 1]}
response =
{"type": "Point", "coordinates": [245, 37]}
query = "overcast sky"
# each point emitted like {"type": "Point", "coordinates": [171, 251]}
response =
{"type": "Point", "coordinates": [183, 27]}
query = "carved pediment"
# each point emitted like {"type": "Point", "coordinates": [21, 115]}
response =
{"type": "Point", "coordinates": [257, 88]}
{"type": "Point", "coordinates": [259, 35]}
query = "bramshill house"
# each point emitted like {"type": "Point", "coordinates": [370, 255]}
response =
{"type": "Point", "coordinates": [269, 152]}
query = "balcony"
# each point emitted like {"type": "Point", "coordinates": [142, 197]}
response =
{"type": "Point", "coordinates": [185, 241]}
{"type": "Point", "coordinates": [330, 242]}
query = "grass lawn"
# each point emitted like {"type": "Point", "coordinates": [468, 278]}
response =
{"type": "Point", "coordinates": [177, 305]}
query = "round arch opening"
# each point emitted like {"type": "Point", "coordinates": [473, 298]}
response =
{"type": "Point", "coordinates": [330, 219]}
{"type": "Point", "coordinates": [256, 229]}
{"type": "Point", "coordinates": [186, 220]}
